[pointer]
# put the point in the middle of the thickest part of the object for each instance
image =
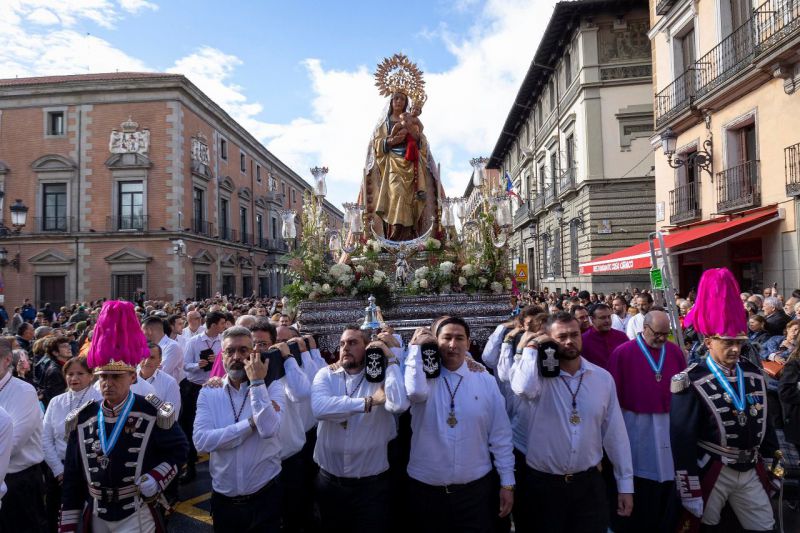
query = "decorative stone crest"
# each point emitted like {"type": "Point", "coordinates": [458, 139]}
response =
{"type": "Point", "coordinates": [130, 140]}
{"type": "Point", "coordinates": [200, 149]}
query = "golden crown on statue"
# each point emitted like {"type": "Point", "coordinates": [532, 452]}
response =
{"type": "Point", "coordinates": [398, 74]}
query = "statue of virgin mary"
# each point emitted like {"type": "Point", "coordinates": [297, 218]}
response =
{"type": "Point", "coordinates": [401, 190]}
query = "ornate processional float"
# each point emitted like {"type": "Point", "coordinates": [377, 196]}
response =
{"type": "Point", "coordinates": [406, 251]}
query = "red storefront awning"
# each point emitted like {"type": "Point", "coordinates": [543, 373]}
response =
{"type": "Point", "coordinates": [679, 241]}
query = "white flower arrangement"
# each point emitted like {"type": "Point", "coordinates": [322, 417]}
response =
{"type": "Point", "coordinates": [446, 267]}
{"type": "Point", "coordinates": [360, 269]}
{"type": "Point", "coordinates": [421, 272]}
{"type": "Point", "coordinates": [433, 244]}
{"type": "Point", "coordinates": [482, 282]}
{"type": "Point", "coordinates": [423, 283]}
{"type": "Point", "coordinates": [462, 280]}
{"type": "Point", "coordinates": [496, 287]}
{"type": "Point", "coordinates": [340, 269]}
{"type": "Point", "coordinates": [326, 289]}
{"type": "Point", "coordinates": [374, 245]}
{"type": "Point", "coordinates": [468, 269]}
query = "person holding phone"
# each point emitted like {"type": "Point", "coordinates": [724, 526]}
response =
{"type": "Point", "coordinates": [198, 359]}
{"type": "Point", "coordinates": [239, 424]}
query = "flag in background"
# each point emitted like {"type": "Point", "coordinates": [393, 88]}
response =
{"type": "Point", "coordinates": [510, 187]}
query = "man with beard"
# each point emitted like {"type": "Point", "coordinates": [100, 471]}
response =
{"type": "Point", "coordinates": [356, 424]}
{"type": "Point", "coordinates": [458, 422]}
{"type": "Point", "coordinates": [238, 424]}
{"type": "Point", "coordinates": [574, 417]}
{"type": "Point", "coordinates": [620, 318]}
{"type": "Point", "coordinates": [642, 370]}
{"type": "Point", "coordinates": [644, 302]}
{"type": "Point", "coordinates": [601, 339]}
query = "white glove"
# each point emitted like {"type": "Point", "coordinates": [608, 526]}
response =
{"type": "Point", "coordinates": [148, 486]}
{"type": "Point", "coordinates": [694, 506]}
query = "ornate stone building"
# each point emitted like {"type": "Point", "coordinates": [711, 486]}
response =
{"type": "Point", "coordinates": [137, 181]}
{"type": "Point", "coordinates": [575, 144]}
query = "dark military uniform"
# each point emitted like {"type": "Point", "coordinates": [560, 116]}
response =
{"type": "Point", "coordinates": [150, 443]}
{"type": "Point", "coordinates": [713, 442]}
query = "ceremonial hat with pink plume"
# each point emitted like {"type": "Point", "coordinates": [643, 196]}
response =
{"type": "Point", "coordinates": [118, 344]}
{"type": "Point", "coordinates": [718, 311]}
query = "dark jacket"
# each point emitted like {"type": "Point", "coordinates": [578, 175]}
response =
{"type": "Point", "coordinates": [776, 322]}
{"type": "Point", "coordinates": [789, 394]}
{"type": "Point", "coordinates": [28, 312]}
{"type": "Point", "coordinates": [48, 379]}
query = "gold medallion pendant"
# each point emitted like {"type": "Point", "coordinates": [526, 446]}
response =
{"type": "Point", "coordinates": [574, 418]}
{"type": "Point", "coordinates": [452, 420]}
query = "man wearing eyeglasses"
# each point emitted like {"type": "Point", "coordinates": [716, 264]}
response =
{"type": "Point", "coordinates": [643, 369]}
{"type": "Point", "coordinates": [239, 424]}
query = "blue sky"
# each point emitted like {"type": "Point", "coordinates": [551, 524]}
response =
{"type": "Point", "coordinates": [298, 75]}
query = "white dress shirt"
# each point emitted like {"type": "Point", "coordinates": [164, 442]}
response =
{"type": "Point", "coordinates": [519, 408]}
{"type": "Point", "coordinates": [21, 402]}
{"type": "Point", "coordinates": [6, 441]}
{"type": "Point", "coordinates": [297, 391]}
{"type": "Point", "coordinates": [350, 442]}
{"type": "Point", "coordinates": [491, 352]}
{"type": "Point", "coordinates": [555, 445]}
{"type": "Point", "coordinates": [443, 455]}
{"type": "Point", "coordinates": [635, 325]}
{"type": "Point", "coordinates": [166, 388]}
{"type": "Point", "coordinates": [188, 333]}
{"type": "Point", "coordinates": [54, 441]}
{"type": "Point", "coordinates": [242, 460]}
{"type": "Point", "coordinates": [181, 340]}
{"type": "Point", "coordinates": [620, 324]}
{"type": "Point", "coordinates": [171, 358]}
{"type": "Point", "coordinates": [191, 357]}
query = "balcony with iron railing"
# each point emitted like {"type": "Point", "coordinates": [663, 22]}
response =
{"type": "Point", "coordinates": [128, 223]}
{"type": "Point", "coordinates": [771, 25]}
{"type": "Point", "coordinates": [684, 203]}
{"type": "Point", "coordinates": [202, 227]}
{"type": "Point", "coordinates": [59, 224]}
{"type": "Point", "coordinates": [739, 187]}
{"type": "Point", "coordinates": [538, 203]}
{"type": "Point", "coordinates": [774, 21]}
{"type": "Point", "coordinates": [522, 214]}
{"type": "Point", "coordinates": [566, 182]}
{"type": "Point", "coordinates": [550, 196]}
{"type": "Point", "coordinates": [228, 234]}
{"type": "Point", "coordinates": [275, 245]}
{"type": "Point", "coordinates": [791, 156]}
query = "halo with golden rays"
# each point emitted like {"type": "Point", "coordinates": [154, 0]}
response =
{"type": "Point", "coordinates": [399, 74]}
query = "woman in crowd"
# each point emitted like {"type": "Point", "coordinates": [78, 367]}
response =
{"type": "Point", "coordinates": [756, 332]}
{"type": "Point", "coordinates": [79, 391]}
{"type": "Point", "coordinates": [789, 393]}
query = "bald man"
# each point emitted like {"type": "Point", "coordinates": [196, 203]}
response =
{"type": "Point", "coordinates": [642, 370]}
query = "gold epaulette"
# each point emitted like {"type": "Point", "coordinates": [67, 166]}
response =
{"type": "Point", "coordinates": [71, 421]}
{"type": "Point", "coordinates": [680, 381]}
{"type": "Point", "coordinates": [166, 414]}
{"type": "Point", "coordinates": [475, 366]}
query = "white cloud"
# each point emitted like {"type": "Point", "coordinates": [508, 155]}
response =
{"type": "Point", "coordinates": [134, 6]}
{"type": "Point", "coordinates": [466, 108]}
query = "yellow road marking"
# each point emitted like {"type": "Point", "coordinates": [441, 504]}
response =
{"type": "Point", "coordinates": [187, 508]}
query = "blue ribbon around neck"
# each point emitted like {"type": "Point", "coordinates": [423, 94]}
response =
{"type": "Point", "coordinates": [646, 351]}
{"type": "Point", "coordinates": [738, 400]}
{"type": "Point", "coordinates": [106, 444]}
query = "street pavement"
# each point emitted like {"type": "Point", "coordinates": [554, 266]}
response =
{"type": "Point", "coordinates": [192, 514]}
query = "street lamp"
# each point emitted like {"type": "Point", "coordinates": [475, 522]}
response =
{"type": "Point", "coordinates": [700, 158]}
{"type": "Point", "coordinates": [19, 215]}
{"type": "Point", "coordinates": [4, 259]}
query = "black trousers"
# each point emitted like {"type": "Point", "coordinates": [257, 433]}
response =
{"type": "Point", "coordinates": [52, 499]}
{"type": "Point", "coordinates": [469, 508]}
{"type": "Point", "coordinates": [298, 504]}
{"type": "Point", "coordinates": [259, 512]}
{"type": "Point", "coordinates": [189, 393]}
{"type": "Point", "coordinates": [23, 507]}
{"type": "Point", "coordinates": [561, 505]}
{"type": "Point", "coordinates": [398, 452]}
{"type": "Point", "coordinates": [350, 505]}
{"type": "Point", "coordinates": [521, 512]}
{"type": "Point", "coordinates": [655, 508]}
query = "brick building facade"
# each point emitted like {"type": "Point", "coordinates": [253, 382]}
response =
{"type": "Point", "coordinates": [137, 181]}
